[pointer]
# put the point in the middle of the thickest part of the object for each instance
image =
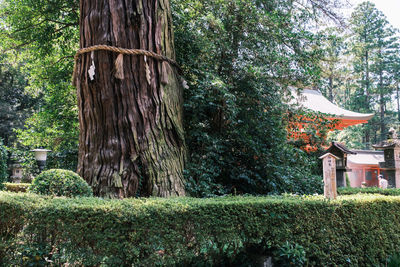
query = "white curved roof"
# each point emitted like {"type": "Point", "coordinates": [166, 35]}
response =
{"type": "Point", "coordinates": [314, 100]}
{"type": "Point", "coordinates": [366, 157]}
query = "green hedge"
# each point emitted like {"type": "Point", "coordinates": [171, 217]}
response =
{"type": "Point", "coordinates": [17, 187]}
{"type": "Point", "coordinates": [354, 230]}
{"type": "Point", "coordinates": [58, 182]}
{"type": "Point", "coordinates": [368, 190]}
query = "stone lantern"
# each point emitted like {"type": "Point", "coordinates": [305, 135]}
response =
{"type": "Point", "coordinates": [16, 172]}
{"type": "Point", "coordinates": [391, 163]}
{"type": "Point", "coordinates": [41, 157]}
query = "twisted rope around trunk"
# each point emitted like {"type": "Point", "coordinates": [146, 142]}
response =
{"type": "Point", "coordinates": [121, 51]}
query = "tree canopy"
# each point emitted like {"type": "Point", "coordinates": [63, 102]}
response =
{"type": "Point", "coordinates": [366, 75]}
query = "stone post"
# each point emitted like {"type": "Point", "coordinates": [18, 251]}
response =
{"type": "Point", "coordinates": [329, 168]}
{"type": "Point", "coordinates": [397, 166]}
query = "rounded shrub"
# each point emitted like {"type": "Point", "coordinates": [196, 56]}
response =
{"type": "Point", "coordinates": [59, 182]}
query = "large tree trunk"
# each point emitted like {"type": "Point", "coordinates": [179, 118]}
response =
{"type": "Point", "coordinates": [131, 135]}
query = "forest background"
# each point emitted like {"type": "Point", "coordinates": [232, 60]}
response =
{"type": "Point", "coordinates": [238, 58]}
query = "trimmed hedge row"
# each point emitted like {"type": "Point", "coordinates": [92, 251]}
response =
{"type": "Point", "coordinates": [354, 230]}
{"type": "Point", "coordinates": [368, 190]}
{"type": "Point", "coordinates": [17, 187]}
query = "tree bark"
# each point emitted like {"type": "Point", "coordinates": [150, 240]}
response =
{"type": "Point", "coordinates": [381, 106]}
{"type": "Point", "coordinates": [398, 101]}
{"type": "Point", "coordinates": [330, 79]}
{"type": "Point", "coordinates": [330, 95]}
{"type": "Point", "coordinates": [367, 106]}
{"type": "Point", "coordinates": [367, 81]}
{"type": "Point", "coordinates": [131, 139]}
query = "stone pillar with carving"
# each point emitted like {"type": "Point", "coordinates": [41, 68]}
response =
{"type": "Point", "coordinates": [329, 168]}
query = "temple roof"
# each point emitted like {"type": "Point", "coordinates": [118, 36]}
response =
{"type": "Point", "coordinates": [387, 144]}
{"type": "Point", "coordinates": [338, 149]}
{"type": "Point", "coordinates": [366, 157]}
{"type": "Point", "coordinates": [342, 148]}
{"type": "Point", "coordinates": [315, 101]}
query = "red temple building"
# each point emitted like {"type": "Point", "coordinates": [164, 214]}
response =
{"type": "Point", "coordinates": [364, 166]}
{"type": "Point", "coordinates": [360, 168]}
{"type": "Point", "coordinates": [314, 100]}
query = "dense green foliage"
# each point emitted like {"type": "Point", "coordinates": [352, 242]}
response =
{"type": "Point", "coordinates": [373, 45]}
{"type": "Point", "coordinates": [16, 187]}
{"type": "Point", "coordinates": [368, 190]}
{"type": "Point", "coordinates": [43, 36]}
{"type": "Point", "coordinates": [221, 231]}
{"type": "Point", "coordinates": [3, 164]}
{"type": "Point", "coordinates": [394, 260]}
{"type": "Point", "coordinates": [238, 57]}
{"type": "Point", "coordinates": [292, 255]}
{"type": "Point", "coordinates": [361, 70]}
{"type": "Point", "coordinates": [58, 182]}
{"type": "Point", "coordinates": [16, 105]}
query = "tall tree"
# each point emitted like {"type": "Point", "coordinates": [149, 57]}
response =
{"type": "Point", "coordinates": [333, 71]}
{"type": "Point", "coordinates": [42, 36]}
{"type": "Point", "coordinates": [372, 44]}
{"type": "Point", "coordinates": [363, 33]}
{"type": "Point", "coordinates": [396, 79]}
{"type": "Point", "coordinates": [234, 54]}
{"type": "Point", "coordinates": [383, 57]}
{"type": "Point", "coordinates": [131, 138]}
{"type": "Point", "coordinates": [15, 104]}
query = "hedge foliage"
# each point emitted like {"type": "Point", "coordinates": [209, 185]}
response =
{"type": "Point", "coordinates": [353, 231]}
{"type": "Point", "coordinates": [58, 182]}
{"type": "Point", "coordinates": [368, 190]}
{"type": "Point", "coordinates": [17, 187]}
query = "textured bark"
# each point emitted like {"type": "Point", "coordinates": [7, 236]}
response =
{"type": "Point", "coordinates": [367, 130]}
{"type": "Point", "coordinates": [330, 93]}
{"type": "Point", "coordinates": [398, 101]}
{"type": "Point", "coordinates": [381, 107]}
{"type": "Point", "coordinates": [131, 140]}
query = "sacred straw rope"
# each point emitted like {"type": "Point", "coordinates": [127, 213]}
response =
{"type": "Point", "coordinates": [124, 51]}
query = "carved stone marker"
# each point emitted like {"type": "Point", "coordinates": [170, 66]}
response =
{"type": "Point", "coordinates": [329, 168]}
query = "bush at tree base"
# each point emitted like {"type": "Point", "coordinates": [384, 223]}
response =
{"type": "Point", "coordinates": [59, 182]}
{"type": "Point", "coordinates": [352, 231]}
